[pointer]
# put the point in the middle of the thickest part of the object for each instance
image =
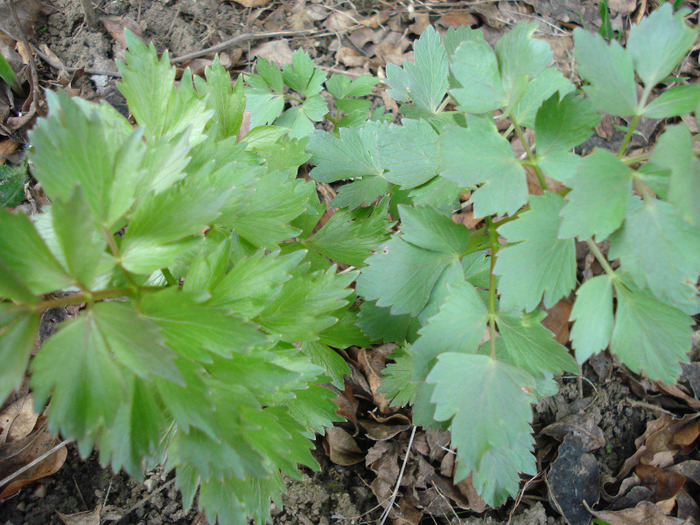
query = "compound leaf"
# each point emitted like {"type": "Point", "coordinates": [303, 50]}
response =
{"type": "Point", "coordinates": [650, 335]}
{"type": "Point", "coordinates": [396, 383]}
{"type": "Point", "coordinates": [227, 103]}
{"type": "Point", "coordinates": [593, 315]}
{"type": "Point", "coordinates": [475, 66]}
{"type": "Point", "coordinates": [610, 71]}
{"type": "Point", "coordinates": [425, 81]}
{"type": "Point", "coordinates": [540, 262]}
{"type": "Point", "coordinates": [659, 42]}
{"type": "Point", "coordinates": [541, 88]}
{"type": "Point", "coordinates": [480, 155]}
{"type": "Point", "coordinates": [302, 76]}
{"type": "Point", "coordinates": [601, 190]}
{"type": "Point", "coordinates": [660, 252]}
{"type": "Point", "coordinates": [409, 153]}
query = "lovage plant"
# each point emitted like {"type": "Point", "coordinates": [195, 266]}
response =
{"type": "Point", "coordinates": [212, 300]}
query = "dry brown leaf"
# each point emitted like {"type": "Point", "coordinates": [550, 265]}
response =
{"type": "Point", "coordinates": [663, 483]}
{"type": "Point", "coordinates": [18, 420]}
{"type": "Point", "coordinates": [644, 513]}
{"type": "Point", "coordinates": [27, 12]}
{"type": "Point", "coordinates": [624, 7]}
{"type": "Point", "coordinates": [6, 148]}
{"type": "Point", "coordinates": [351, 57]}
{"type": "Point", "coordinates": [457, 19]}
{"type": "Point", "coordinates": [557, 320]}
{"type": "Point", "coordinates": [252, 3]}
{"type": "Point", "coordinates": [382, 432]}
{"type": "Point", "coordinates": [91, 517]}
{"type": "Point", "coordinates": [341, 21]}
{"type": "Point", "coordinates": [377, 19]}
{"type": "Point", "coordinates": [276, 51]}
{"type": "Point", "coordinates": [420, 22]}
{"type": "Point", "coordinates": [115, 26]}
{"type": "Point", "coordinates": [342, 448]}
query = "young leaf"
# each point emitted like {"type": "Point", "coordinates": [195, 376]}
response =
{"type": "Point", "coordinates": [425, 81]}
{"type": "Point", "coordinates": [350, 237]}
{"type": "Point", "coordinates": [475, 66]}
{"type": "Point", "coordinates": [492, 411]}
{"type": "Point", "coordinates": [24, 254]}
{"type": "Point", "coordinates": [480, 155]}
{"type": "Point", "coordinates": [540, 262]}
{"type": "Point", "coordinates": [227, 103]}
{"type": "Point", "coordinates": [409, 153]}
{"type": "Point", "coordinates": [674, 151]}
{"type": "Point", "coordinates": [660, 252]}
{"type": "Point", "coordinates": [659, 42]}
{"type": "Point", "coordinates": [302, 76]}
{"type": "Point", "coordinates": [531, 346]}
{"type": "Point", "coordinates": [18, 329]}
{"type": "Point", "coordinates": [396, 383]}
{"type": "Point", "coordinates": [541, 88]}
{"type": "Point", "coordinates": [610, 71]}
{"type": "Point", "coordinates": [300, 119]}
{"type": "Point", "coordinates": [601, 190]}
{"type": "Point", "coordinates": [650, 335]}
{"type": "Point", "coordinates": [674, 102]}
{"type": "Point", "coordinates": [520, 57]}
{"type": "Point", "coordinates": [593, 316]}
{"type": "Point", "coordinates": [406, 269]}
{"type": "Point", "coordinates": [332, 363]}
{"type": "Point", "coordinates": [340, 86]}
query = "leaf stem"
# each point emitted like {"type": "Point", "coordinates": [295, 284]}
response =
{"type": "Point", "coordinates": [169, 278]}
{"type": "Point", "coordinates": [628, 136]}
{"type": "Point", "coordinates": [82, 298]}
{"type": "Point", "coordinates": [530, 154]}
{"type": "Point", "coordinates": [492, 287]}
{"type": "Point", "coordinates": [600, 257]}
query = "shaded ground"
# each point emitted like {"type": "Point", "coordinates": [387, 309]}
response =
{"type": "Point", "coordinates": [608, 410]}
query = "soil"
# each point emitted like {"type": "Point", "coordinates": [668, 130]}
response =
{"type": "Point", "coordinates": [608, 394]}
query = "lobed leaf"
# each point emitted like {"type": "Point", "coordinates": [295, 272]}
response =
{"type": "Point", "coordinates": [593, 316]}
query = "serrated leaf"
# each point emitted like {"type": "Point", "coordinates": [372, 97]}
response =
{"type": "Point", "coordinates": [299, 119]}
{"type": "Point", "coordinates": [350, 237]}
{"type": "Point", "coordinates": [160, 221]}
{"type": "Point", "coordinates": [405, 270]}
{"type": "Point", "coordinates": [313, 408]}
{"type": "Point", "coordinates": [560, 165]}
{"type": "Point", "coordinates": [264, 107]}
{"type": "Point", "coordinates": [674, 151]}
{"type": "Point", "coordinates": [531, 346]}
{"type": "Point", "coordinates": [659, 42]}
{"type": "Point", "coordinates": [674, 102]}
{"type": "Point", "coordinates": [305, 304]}
{"type": "Point", "coordinates": [520, 57]}
{"type": "Point", "coordinates": [650, 335]}
{"type": "Point", "coordinates": [18, 329]}
{"type": "Point", "coordinates": [457, 35]}
{"type": "Point", "coordinates": [396, 380]}
{"type": "Point", "coordinates": [601, 190]}
{"type": "Point", "coordinates": [491, 413]}
{"type": "Point", "coordinates": [593, 316]}
{"type": "Point", "coordinates": [25, 255]}
{"type": "Point", "coordinates": [302, 76]}
{"type": "Point", "coordinates": [227, 103]}
{"type": "Point", "coordinates": [85, 396]}
{"type": "Point", "coordinates": [425, 81]}
{"type": "Point", "coordinates": [209, 265]}
{"type": "Point", "coordinates": [609, 69]}
{"type": "Point", "coordinates": [361, 192]}
{"type": "Point", "coordinates": [480, 155]}
{"type": "Point", "coordinates": [379, 325]}
{"type": "Point", "coordinates": [340, 86]}
{"type": "Point", "coordinates": [332, 363]}
{"type": "Point", "coordinates": [540, 262]}
{"type": "Point", "coordinates": [475, 66]}
{"type": "Point", "coordinates": [562, 124]}
{"type": "Point", "coordinates": [345, 332]}
{"type": "Point", "coordinates": [409, 152]}
{"type": "Point", "coordinates": [268, 73]}
{"type": "Point", "coordinates": [660, 252]}
{"type": "Point", "coordinates": [12, 180]}
{"type": "Point", "coordinates": [542, 87]}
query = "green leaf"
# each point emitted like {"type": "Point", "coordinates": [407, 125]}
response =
{"type": "Point", "coordinates": [24, 254]}
{"type": "Point", "coordinates": [491, 415]}
{"type": "Point", "coordinates": [531, 346]}
{"type": "Point", "coordinates": [81, 242]}
{"type": "Point", "coordinates": [160, 221]}
{"type": "Point", "coordinates": [254, 281]}
{"type": "Point", "coordinates": [520, 57]}
{"type": "Point", "coordinates": [475, 66]}
{"type": "Point", "coordinates": [404, 271]}
{"type": "Point", "coordinates": [362, 192]}
{"type": "Point", "coordinates": [441, 194]}
{"type": "Point", "coordinates": [379, 325]}
{"type": "Point", "coordinates": [350, 237]}
{"type": "Point", "coordinates": [674, 102]}
{"type": "Point", "coordinates": [299, 119]}
{"type": "Point", "coordinates": [18, 329]}
{"type": "Point", "coordinates": [332, 363]}
{"type": "Point", "coordinates": [425, 81]}
{"type": "Point", "coordinates": [264, 107]}
{"type": "Point", "coordinates": [540, 262]}
{"type": "Point", "coordinates": [660, 252]}
{"type": "Point", "coordinates": [601, 190]}
{"type": "Point", "coordinates": [593, 315]}
{"type": "Point", "coordinates": [610, 71]}
{"type": "Point", "coordinates": [562, 124]}
{"type": "Point", "coordinates": [340, 86]}
{"type": "Point", "coordinates": [659, 42]}
{"type": "Point", "coordinates": [650, 335]}
{"type": "Point", "coordinates": [12, 180]}
{"type": "Point", "coordinates": [9, 76]}
{"type": "Point", "coordinates": [85, 396]}
{"type": "Point", "coordinates": [268, 73]}
{"type": "Point", "coordinates": [674, 151]}
{"type": "Point", "coordinates": [227, 103]}
{"type": "Point", "coordinates": [541, 88]}
{"type": "Point", "coordinates": [480, 155]}
{"type": "Point", "coordinates": [345, 332]}
{"type": "Point", "coordinates": [409, 152]}
{"type": "Point", "coordinates": [305, 304]}
{"type": "Point", "coordinates": [314, 408]}
{"type": "Point", "coordinates": [199, 331]}
{"type": "Point", "coordinates": [396, 383]}
{"type": "Point", "coordinates": [301, 75]}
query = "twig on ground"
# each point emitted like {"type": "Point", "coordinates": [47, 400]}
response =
{"type": "Point", "coordinates": [32, 463]}
{"type": "Point", "coordinates": [388, 508]}
{"type": "Point", "coordinates": [144, 500]}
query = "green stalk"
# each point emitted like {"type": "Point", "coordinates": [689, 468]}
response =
{"type": "Point", "coordinates": [628, 136]}
{"type": "Point", "coordinates": [601, 258]}
{"type": "Point", "coordinates": [492, 288]}
{"type": "Point", "coordinates": [530, 154]}
{"type": "Point", "coordinates": [169, 278]}
{"type": "Point", "coordinates": [82, 298]}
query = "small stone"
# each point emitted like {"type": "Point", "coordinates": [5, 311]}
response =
{"type": "Point", "coordinates": [40, 491]}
